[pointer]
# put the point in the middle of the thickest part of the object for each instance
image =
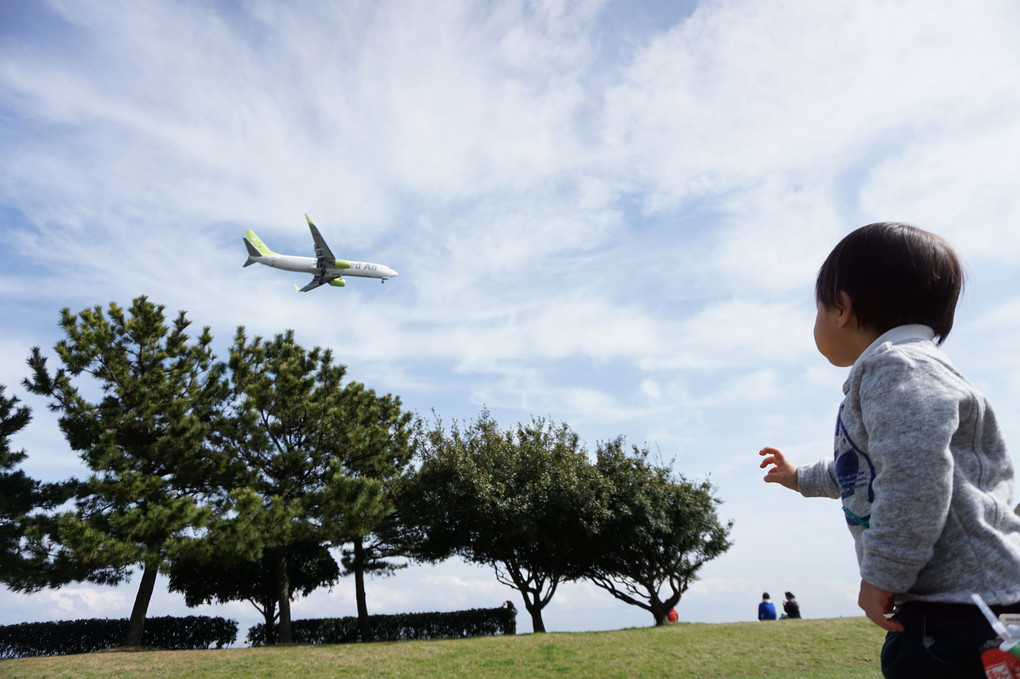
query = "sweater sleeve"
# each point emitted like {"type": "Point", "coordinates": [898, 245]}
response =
{"type": "Point", "coordinates": [910, 417]}
{"type": "Point", "coordinates": [818, 480]}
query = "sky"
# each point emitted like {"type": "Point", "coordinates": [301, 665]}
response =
{"type": "Point", "coordinates": [604, 213]}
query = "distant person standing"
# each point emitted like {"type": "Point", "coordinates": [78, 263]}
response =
{"type": "Point", "coordinates": [790, 606]}
{"type": "Point", "coordinates": [510, 622]}
{"type": "Point", "coordinates": [766, 609]}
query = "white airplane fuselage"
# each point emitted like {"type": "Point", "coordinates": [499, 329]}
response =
{"type": "Point", "coordinates": [311, 265]}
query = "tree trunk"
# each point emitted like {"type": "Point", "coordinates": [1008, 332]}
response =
{"type": "Point", "coordinates": [283, 598]}
{"type": "Point", "coordinates": [535, 610]}
{"type": "Point", "coordinates": [269, 613]}
{"type": "Point", "coordinates": [359, 590]}
{"type": "Point", "coordinates": [136, 625]}
{"type": "Point", "coordinates": [661, 609]}
{"type": "Point", "coordinates": [536, 620]}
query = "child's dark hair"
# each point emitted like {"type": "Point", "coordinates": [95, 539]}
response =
{"type": "Point", "coordinates": [894, 274]}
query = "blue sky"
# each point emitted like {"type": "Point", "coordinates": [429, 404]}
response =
{"type": "Point", "coordinates": [604, 213]}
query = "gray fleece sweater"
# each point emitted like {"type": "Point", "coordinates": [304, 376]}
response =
{"type": "Point", "coordinates": [924, 476]}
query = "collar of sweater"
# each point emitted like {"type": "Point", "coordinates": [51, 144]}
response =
{"type": "Point", "coordinates": [898, 335]}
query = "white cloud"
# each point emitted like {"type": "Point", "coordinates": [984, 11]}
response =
{"type": "Point", "coordinates": [736, 333]}
{"type": "Point", "coordinates": [70, 602]}
{"type": "Point", "coordinates": [777, 233]}
{"type": "Point", "coordinates": [960, 186]}
{"type": "Point", "coordinates": [742, 89]}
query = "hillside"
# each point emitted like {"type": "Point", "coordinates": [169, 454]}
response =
{"type": "Point", "coordinates": [826, 649]}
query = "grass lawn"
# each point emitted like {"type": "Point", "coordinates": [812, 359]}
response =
{"type": "Point", "coordinates": [841, 647]}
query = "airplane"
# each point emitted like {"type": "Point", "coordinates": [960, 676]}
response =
{"type": "Point", "coordinates": [324, 267]}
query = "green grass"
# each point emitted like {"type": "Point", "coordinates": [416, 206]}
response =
{"type": "Point", "coordinates": [825, 649]}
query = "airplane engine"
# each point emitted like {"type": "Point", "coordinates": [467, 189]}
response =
{"type": "Point", "coordinates": [338, 282]}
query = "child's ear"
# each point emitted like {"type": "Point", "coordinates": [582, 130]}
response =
{"type": "Point", "coordinates": [846, 310]}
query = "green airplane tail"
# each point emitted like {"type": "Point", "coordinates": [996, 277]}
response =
{"type": "Point", "coordinates": [257, 243]}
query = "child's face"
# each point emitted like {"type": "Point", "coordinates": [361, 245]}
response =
{"type": "Point", "coordinates": [836, 336]}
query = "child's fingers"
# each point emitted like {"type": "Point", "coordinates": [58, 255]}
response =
{"type": "Point", "coordinates": [771, 456]}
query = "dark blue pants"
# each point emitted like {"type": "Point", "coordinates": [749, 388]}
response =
{"type": "Point", "coordinates": [939, 641]}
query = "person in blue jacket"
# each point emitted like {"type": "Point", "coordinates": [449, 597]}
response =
{"type": "Point", "coordinates": [766, 609]}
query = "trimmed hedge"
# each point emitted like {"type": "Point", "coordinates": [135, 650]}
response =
{"type": "Point", "coordinates": [65, 637]}
{"type": "Point", "coordinates": [477, 622]}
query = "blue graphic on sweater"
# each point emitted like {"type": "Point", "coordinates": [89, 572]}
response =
{"type": "Point", "coordinates": [855, 474]}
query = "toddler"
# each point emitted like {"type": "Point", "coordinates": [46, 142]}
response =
{"type": "Point", "coordinates": [920, 464]}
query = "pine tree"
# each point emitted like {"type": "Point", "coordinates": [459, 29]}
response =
{"type": "Point", "coordinates": [137, 399]}
{"type": "Point", "coordinates": [288, 431]}
{"type": "Point", "coordinates": [24, 507]}
{"type": "Point", "coordinates": [375, 434]}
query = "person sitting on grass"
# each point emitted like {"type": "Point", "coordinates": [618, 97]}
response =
{"type": "Point", "coordinates": [791, 609]}
{"type": "Point", "coordinates": [766, 609]}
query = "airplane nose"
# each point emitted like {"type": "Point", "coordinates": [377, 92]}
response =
{"type": "Point", "coordinates": [391, 273]}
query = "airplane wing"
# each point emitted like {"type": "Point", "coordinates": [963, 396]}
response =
{"type": "Point", "coordinates": [314, 283]}
{"type": "Point", "coordinates": [322, 278]}
{"type": "Point", "coordinates": [324, 260]}
{"type": "Point", "coordinates": [322, 252]}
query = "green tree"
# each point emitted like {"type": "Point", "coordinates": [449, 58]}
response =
{"type": "Point", "coordinates": [24, 502]}
{"type": "Point", "coordinates": [27, 525]}
{"type": "Point", "coordinates": [372, 554]}
{"type": "Point", "coordinates": [375, 436]}
{"type": "Point", "coordinates": [287, 429]}
{"type": "Point", "coordinates": [18, 492]}
{"type": "Point", "coordinates": [138, 399]}
{"type": "Point", "coordinates": [217, 579]}
{"type": "Point", "coordinates": [525, 501]}
{"type": "Point", "coordinates": [661, 529]}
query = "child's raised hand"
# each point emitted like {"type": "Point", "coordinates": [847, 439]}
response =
{"type": "Point", "coordinates": [782, 472]}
